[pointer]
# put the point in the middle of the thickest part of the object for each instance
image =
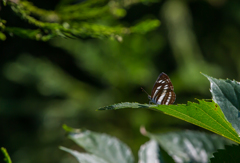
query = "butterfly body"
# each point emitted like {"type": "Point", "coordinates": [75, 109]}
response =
{"type": "Point", "coordinates": [163, 91]}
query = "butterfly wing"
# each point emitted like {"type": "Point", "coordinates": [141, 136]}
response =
{"type": "Point", "coordinates": [169, 98]}
{"type": "Point", "coordinates": [163, 91]}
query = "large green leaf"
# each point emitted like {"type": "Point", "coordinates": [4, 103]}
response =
{"type": "Point", "coordinates": [207, 115]}
{"type": "Point", "coordinates": [228, 155]}
{"type": "Point", "coordinates": [226, 93]}
{"type": "Point", "coordinates": [189, 146]}
{"type": "Point", "coordinates": [103, 146]}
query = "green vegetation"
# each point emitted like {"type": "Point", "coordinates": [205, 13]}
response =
{"type": "Point", "coordinates": [7, 158]}
{"type": "Point", "coordinates": [74, 21]}
{"type": "Point", "coordinates": [62, 60]}
{"type": "Point", "coordinates": [221, 120]}
{"type": "Point", "coordinates": [188, 146]}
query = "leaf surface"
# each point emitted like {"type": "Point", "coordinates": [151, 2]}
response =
{"type": "Point", "coordinates": [108, 148]}
{"type": "Point", "coordinates": [151, 152]}
{"type": "Point", "coordinates": [190, 146]}
{"type": "Point", "coordinates": [7, 158]}
{"type": "Point", "coordinates": [83, 157]}
{"type": "Point", "coordinates": [226, 93]}
{"type": "Point", "coordinates": [207, 115]}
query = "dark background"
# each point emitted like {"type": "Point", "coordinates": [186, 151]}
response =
{"type": "Point", "coordinates": [63, 81]}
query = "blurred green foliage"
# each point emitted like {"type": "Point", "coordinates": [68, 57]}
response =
{"type": "Point", "coordinates": [183, 146]}
{"type": "Point", "coordinates": [92, 18]}
{"type": "Point", "coordinates": [7, 158]}
{"type": "Point", "coordinates": [64, 80]}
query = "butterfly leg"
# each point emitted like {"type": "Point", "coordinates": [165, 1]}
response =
{"type": "Point", "coordinates": [150, 103]}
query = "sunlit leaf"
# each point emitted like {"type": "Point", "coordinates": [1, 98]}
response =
{"type": "Point", "coordinates": [226, 93]}
{"type": "Point", "coordinates": [207, 115]}
{"type": "Point", "coordinates": [146, 26]}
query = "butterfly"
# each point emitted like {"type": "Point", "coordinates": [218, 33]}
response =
{"type": "Point", "coordinates": [162, 92]}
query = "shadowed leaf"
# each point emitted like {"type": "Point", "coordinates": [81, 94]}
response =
{"type": "Point", "coordinates": [226, 93]}
{"type": "Point", "coordinates": [151, 152]}
{"type": "Point", "coordinates": [228, 155]}
{"type": "Point", "coordinates": [84, 157]}
{"type": "Point", "coordinates": [103, 146]}
{"type": "Point", "coordinates": [189, 146]}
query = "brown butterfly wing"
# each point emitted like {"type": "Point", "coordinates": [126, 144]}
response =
{"type": "Point", "coordinates": [169, 98]}
{"type": "Point", "coordinates": [163, 91]}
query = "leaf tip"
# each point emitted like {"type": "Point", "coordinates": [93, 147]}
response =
{"type": "Point", "coordinates": [204, 74]}
{"type": "Point", "coordinates": [3, 149]}
{"type": "Point", "coordinates": [62, 148]}
{"type": "Point", "coordinates": [67, 128]}
{"type": "Point", "coordinates": [100, 109]}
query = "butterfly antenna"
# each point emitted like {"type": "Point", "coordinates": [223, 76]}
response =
{"type": "Point", "coordinates": [145, 91]}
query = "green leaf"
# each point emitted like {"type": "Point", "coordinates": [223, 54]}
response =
{"type": "Point", "coordinates": [150, 152]}
{"type": "Point", "coordinates": [7, 158]}
{"type": "Point", "coordinates": [103, 146]}
{"type": "Point", "coordinates": [28, 33]}
{"type": "Point", "coordinates": [189, 146]}
{"type": "Point", "coordinates": [207, 115]}
{"type": "Point", "coordinates": [226, 93]}
{"type": "Point", "coordinates": [83, 157]}
{"type": "Point", "coordinates": [228, 155]}
{"type": "Point", "coordinates": [4, 2]}
{"type": "Point", "coordinates": [2, 36]}
{"type": "Point", "coordinates": [145, 26]}
{"type": "Point", "coordinates": [124, 105]}
{"type": "Point", "coordinates": [49, 22]}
